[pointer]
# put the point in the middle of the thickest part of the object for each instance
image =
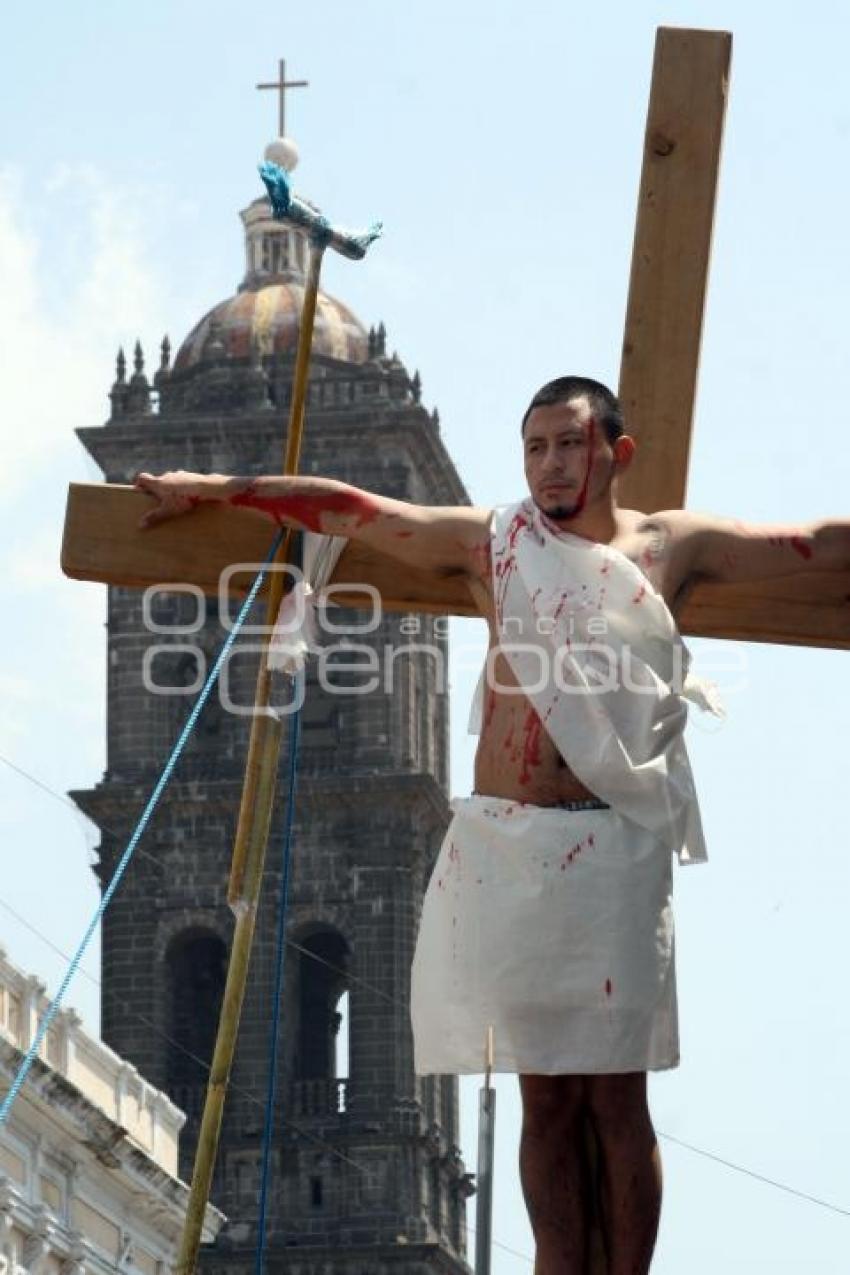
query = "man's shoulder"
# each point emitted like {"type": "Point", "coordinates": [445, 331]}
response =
{"type": "Point", "coordinates": [678, 525]}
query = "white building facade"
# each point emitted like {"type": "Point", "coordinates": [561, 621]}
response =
{"type": "Point", "coordinates": [88, 1157]}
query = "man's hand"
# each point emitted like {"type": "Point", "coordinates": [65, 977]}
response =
{"type": "Point", "coordinates": [175, 493]}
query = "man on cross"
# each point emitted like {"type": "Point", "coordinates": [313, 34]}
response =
{"type": "Point", "coordinates": [548, 913]}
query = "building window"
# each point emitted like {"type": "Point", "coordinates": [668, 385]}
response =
{"type": "Point", "coordinates": [322, 984]}
{"type": "Point", "coordinates": [196, 970]}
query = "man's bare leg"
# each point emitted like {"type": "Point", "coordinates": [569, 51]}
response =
{"type": "Point", "coordinates": [630, 1166]}
{"type": "Point", "coordinates": [553, 1171]}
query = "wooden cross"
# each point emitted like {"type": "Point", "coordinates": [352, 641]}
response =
{"type": "Point", "coordinates": [282, 85]}
{"type": "Point", "coordinates": [657, 387]}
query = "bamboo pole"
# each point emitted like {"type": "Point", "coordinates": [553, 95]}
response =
{"type": "Point", "coordinates": [249, 850]}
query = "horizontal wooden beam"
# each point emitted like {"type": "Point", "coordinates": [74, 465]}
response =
{"type": "Point", "coordinates": [670, 261]}
{"type": "Point", "coordinates": [810, 610]}
{"type": "Point", "coordinates": [199, 548]}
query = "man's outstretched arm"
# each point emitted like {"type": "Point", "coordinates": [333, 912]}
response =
{"type": "Point", "coordinates": [437, 537]}
{"type": "Point", "coordinates": [732, 551]}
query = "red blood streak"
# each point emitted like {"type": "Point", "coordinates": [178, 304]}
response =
{"type": "Point", "coordinates": [489, 706]}
{"type": "Point", "coordinates": [402, 535]}
{"type": "Point", "coordinates": [607, 987]}
{"type": "Point", "coordinates": [307, 507]}
{"type": "Point", "coordinates": [640, 593]}
{"type": "Point", "coordinates": [799, 546]}
{"type": "Point", "coordinates": [518, 522]}
{"type": "Point", "coordinates": [591, 447]}
{"type": "Point", "coordinates": [531, 745]}
{"type": "Point", "coordinates": [559, 608]}
{"type": "Point", "coordinates": [503, 576]}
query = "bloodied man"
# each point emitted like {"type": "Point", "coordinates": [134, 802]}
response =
{"type": "Point", "coordinates": [548, 914]}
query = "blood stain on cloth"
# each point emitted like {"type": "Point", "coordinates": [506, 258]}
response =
{"type": "Point", "coordinates": [518, 523]}
{"type": "Point", "coordinates": [559, 608]}
{"type": "Point", "coordinates": [639, 596]}
{"type": "Point", "coordinates": [572, 854]}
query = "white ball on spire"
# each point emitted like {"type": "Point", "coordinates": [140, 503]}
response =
{"type": "Point", "coordinates": [283, 152]}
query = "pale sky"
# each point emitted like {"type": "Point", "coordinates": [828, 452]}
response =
{"type": "Point", "coordinates": [500, 144]}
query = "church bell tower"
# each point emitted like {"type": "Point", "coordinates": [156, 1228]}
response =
{"type": "Point", "coordinates": [366, 1171]}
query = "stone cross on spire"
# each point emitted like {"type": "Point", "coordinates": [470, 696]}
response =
{"type": "Point", "coordinates": [282, 84]}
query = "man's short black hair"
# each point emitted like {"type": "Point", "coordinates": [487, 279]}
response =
{"type": "Point", "coordinates": [604, 405]}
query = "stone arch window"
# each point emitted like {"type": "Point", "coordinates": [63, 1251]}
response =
{"type": "Point", "coordinates": [276, 253]}
{"type": "Point", "coordinates": [196, 968]}
{"type": "Point", "coordinates": [322, 1006]}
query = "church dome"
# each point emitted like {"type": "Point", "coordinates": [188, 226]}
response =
{"type": "Point", "coordinates": [266, 319]}
{"type": "Point", "coordinates": [264, 315]}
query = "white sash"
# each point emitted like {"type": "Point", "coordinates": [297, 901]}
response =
{"type": "Point", "coordinates": [596, 651]}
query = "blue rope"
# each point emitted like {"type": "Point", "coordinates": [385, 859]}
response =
{"type": "Point", "coordinates": [280, 954]}
{"type": "Point", "coordinates": [53, 1007]}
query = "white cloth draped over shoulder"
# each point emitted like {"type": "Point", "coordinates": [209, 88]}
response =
{"type": "Point", "coordinates": [597, 652]}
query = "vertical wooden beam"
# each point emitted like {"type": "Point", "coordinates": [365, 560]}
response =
{"type": "Point", "coordinates": [670, 259]}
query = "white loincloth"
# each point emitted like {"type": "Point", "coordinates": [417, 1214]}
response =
{"type": "Point", "coordinates": [556, 928]}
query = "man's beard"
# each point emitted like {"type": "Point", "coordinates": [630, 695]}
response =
{"type": "Point", "coordinates": [559, 512]}
{"type": "Point", "coordinates": [562, 513]}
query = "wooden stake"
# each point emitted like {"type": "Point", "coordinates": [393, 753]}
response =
{"type": "Point", "coordinates": [670, 259]}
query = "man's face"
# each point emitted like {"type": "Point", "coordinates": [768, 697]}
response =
{"type": "Point", "coordinates": [569, 462]}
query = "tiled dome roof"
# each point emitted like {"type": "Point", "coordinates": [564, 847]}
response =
{"type": "Point", "coordinates": [267, 318]}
